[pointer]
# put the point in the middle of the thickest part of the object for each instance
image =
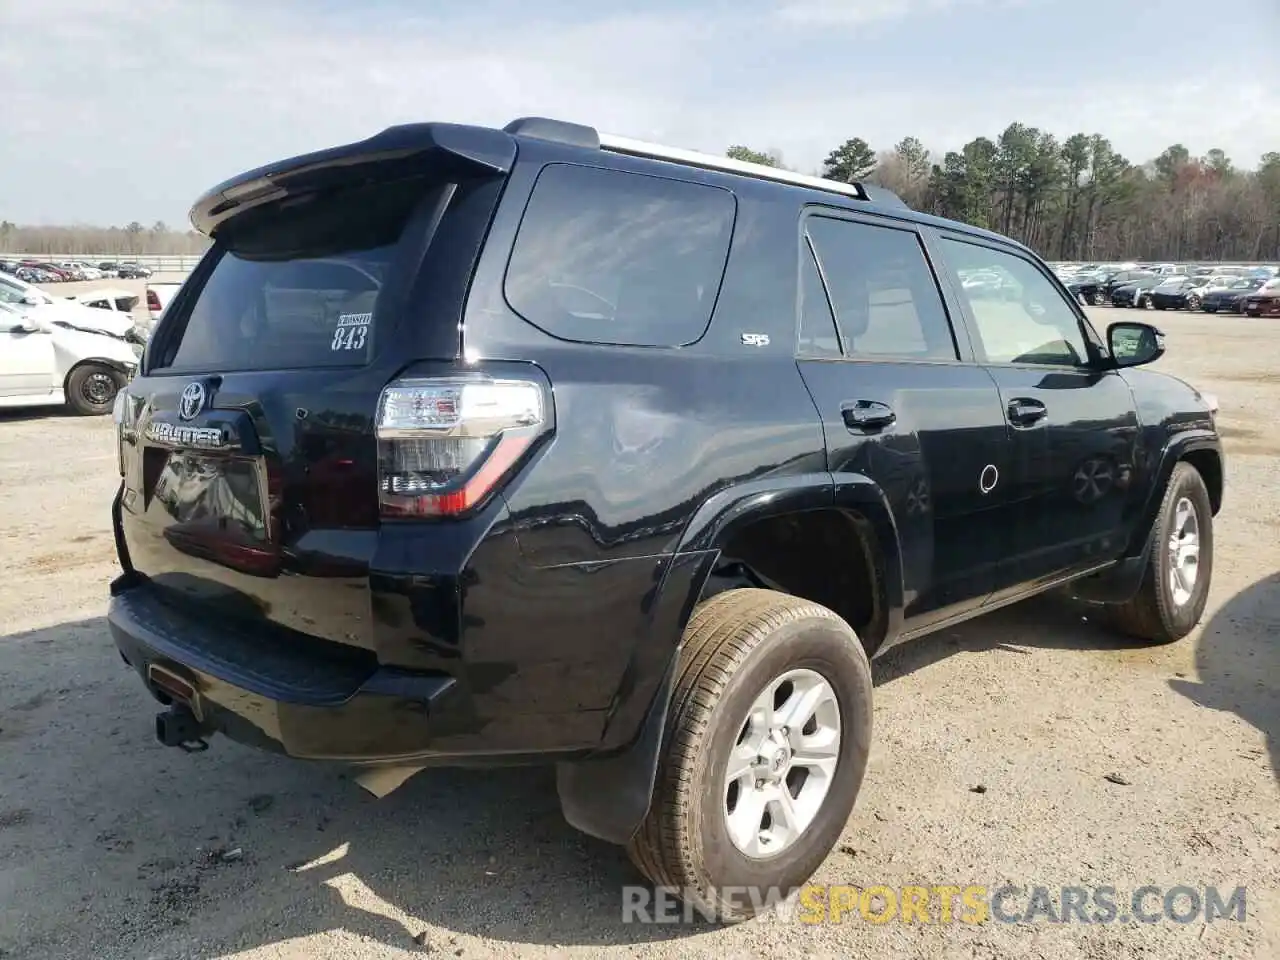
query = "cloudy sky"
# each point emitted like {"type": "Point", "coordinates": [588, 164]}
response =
{"type": "Point", "coordinates": [126, 111]}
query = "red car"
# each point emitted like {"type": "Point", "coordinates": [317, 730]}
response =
{"type": "Point", "coordinates": [1263, 302]}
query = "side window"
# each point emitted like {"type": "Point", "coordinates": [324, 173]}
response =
{"type": "Point", "coordinates": [884, 295]}
{"type": "Point", "coordinates": [604, 256]}
{"type": "Point", "coordinates": [818, 336]}
{"type": "Point", "coordinates": [1023, 319]}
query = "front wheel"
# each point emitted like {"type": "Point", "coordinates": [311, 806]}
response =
{"type": "Point", "coordinates": [764, 753]}
{"type": "Point", "coordinates": [1099, 299]}
{"type": "Point", "coordinates": [1193, 302]}
{"type": "Point", "coordinates": [1145, 303]}
{"type": "Point", "coordinates": [1175, 586]}
{"type": "Point", "coordinates": [91, 389]}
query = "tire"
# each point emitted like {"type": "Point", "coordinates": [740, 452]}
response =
{"type": "Point", "coordinates": [1156, 613]}
{"type": "Point", "coordinates": [1193, 302]}
{"type": "Point", "coordinates": [91, 389]}
{"type": "Point", "coordinates": [738, 645]}
{"type": "Point", "coordinates": [1145, 302]}
{"type": "Point", "coordinates": [1099, 299]}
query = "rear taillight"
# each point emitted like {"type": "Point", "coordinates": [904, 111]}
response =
{"type": "Point", "coordinates": [445, 444]}
{"type": "Point", "coordinates": [153, 301]}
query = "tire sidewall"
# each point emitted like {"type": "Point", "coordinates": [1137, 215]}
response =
{"type": "Point", "coordinates": [1185, 482]}
{"type": "Point", "coordinates": [817, 644]}
{"type": "Point", "coordinates": [77, 401]}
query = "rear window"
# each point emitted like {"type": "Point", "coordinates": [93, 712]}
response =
{"type": "Point", "coordinates": [604, 256]}
{"type": "Point", "coordinates": [296, 287]}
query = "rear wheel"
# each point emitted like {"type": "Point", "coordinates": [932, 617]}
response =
{"type": "Point", "coordinates": [92, 387]}
{"type": "Point", "coordinates": [1145, 303]}
{"type": "Point", "coordinates": [1099, 299]}
{"type": "Point", "coordinates": [1193, 302]}
{"type": "Point", "coordinates": [1175, 587]}
{"type": "Point", "coordinates": [764, 754]}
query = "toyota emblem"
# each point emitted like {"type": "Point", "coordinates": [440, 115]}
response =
{"type": "Point", "coordinates": [192, 401]}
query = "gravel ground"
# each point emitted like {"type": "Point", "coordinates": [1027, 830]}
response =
{"type": "Point", "coordinates": [994, 746]}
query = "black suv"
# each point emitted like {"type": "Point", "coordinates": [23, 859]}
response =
{"type": "Point", "coordinates": [533, 445]}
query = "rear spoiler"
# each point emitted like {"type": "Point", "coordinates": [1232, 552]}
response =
{"type": "Point", "coordinates": [396, 151]}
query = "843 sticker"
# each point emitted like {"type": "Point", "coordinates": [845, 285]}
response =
{"type": "Point", "coordinates": [352, 331]}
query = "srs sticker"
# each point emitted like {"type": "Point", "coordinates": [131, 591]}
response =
{"type": "Point", "coordinates": [352, 331]}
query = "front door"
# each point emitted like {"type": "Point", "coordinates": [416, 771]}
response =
{"type": "Point", "coordinates": [26, 359]}
{"type": "Point", "coordinates": [1072, 423]}
{"type": "Point", "coordinates": [883, 364]}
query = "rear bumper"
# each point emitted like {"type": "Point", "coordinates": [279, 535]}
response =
{"type": "Point", "coordinates": [329, 704]}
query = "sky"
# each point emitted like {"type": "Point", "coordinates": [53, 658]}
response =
{"type": "Point", "coordinates": [128, 111]}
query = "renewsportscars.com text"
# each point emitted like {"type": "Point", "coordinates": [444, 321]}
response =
{"type": "Point", "coordinates": [950, 903]}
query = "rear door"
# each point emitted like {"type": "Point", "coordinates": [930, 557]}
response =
{"type": "Point", "coordinates": [901, 404]}
{"type": "Point", "coordinates": [250, 463]}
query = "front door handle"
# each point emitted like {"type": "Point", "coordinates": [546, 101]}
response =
{"type": "Point", "coordinates": [867, 415]}
{"type": "Point", "coordinates": [1024, 412]}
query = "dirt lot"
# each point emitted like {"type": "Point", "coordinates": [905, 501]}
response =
{"type": "Point", "coordinates": [993, 749]}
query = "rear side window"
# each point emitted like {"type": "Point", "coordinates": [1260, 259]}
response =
{"type": "Point", "coordinates": [297, 287]}
{"type": "Point", "coordinates": [885, 298]}
{"type": "Point", "coordinates": [604, 256]}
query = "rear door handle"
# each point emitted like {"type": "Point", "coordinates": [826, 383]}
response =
{"type": "Point", "coordinates": [1024, 412]}
{"type": "Point", "coordinates": [867, 414]}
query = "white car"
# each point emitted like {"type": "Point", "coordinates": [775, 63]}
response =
{"type": "Point", "coordinates": [32, 300]}
{"type": "Point", "coordinates": [109, 298]}
{"type": "Point", "coordinates": [89, 270]}
{"type": "Point", "coordinates": [44, 360]}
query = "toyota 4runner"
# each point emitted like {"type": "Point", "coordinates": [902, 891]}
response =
{"type": "Point", "coordinates": [537, 445]}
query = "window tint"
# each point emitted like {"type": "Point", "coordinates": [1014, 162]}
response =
{"type": "Point", "coordinates": [817, 323]}
{"type": "Point", "coordinates": [1023, 320]}
{"type": "Point", "coordinates": [621, 258]}
{"type": "Point", "coordinates": [885, 299]}
{"type": "Point", "coordinates": [297, 288]}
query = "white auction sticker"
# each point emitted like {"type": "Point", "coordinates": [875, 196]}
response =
{"type": "Point", "coordinates": [352, 332]}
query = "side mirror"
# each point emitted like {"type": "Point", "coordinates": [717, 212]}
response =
{"type": "Point", "coordinates": [30, 301]}
{"type": "Point", "coordinates": [1134, 344]}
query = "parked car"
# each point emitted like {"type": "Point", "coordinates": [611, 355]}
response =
{"type": "Point", "coordinates": [68, 310]}
{"type": "Point", "coordinates": [1228, 300]}
{"type": "Point", "coordinates": [46, 361]}
{"type": "Point", "coordinates": [1207, 284]}
{"type": "Point", "coordinates": [1135, 293]}
{"type": "Point", "coordinates": [414, 474]}
{"type": "Point", "coordinates": [110, 298]}
{"type": "Point", "coordinates": [1088, 288]}
{"type": "Point", "coordinates": [1122, 277]}
{"type": "Point", "coordinates": [1171, 294]}
{"type": "Point", "coordinates": [158, 297]}
{"type": "Point", "coordinates": [132, 271]}
{"type": "Point", "coordinates": [1264, 302]}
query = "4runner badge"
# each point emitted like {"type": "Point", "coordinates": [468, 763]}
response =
{"type": "Point", "coordinates": [192, 401]}
{"type": "Point", "coordinates": [208, 438]}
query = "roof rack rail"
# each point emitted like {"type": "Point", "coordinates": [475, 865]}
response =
{"type": "Point", "coordinates": [708, 161]}
{"type": "Point", "coordinates": [580, 135]}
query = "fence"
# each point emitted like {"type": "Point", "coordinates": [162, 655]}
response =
{"type": "Point", "coordinates": [178, 263]}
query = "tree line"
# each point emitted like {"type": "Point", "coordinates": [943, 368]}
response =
{"type": "Point", "coordinates": [1077, 199]}
{"type": "Point", "coordinates": [132, 240]}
